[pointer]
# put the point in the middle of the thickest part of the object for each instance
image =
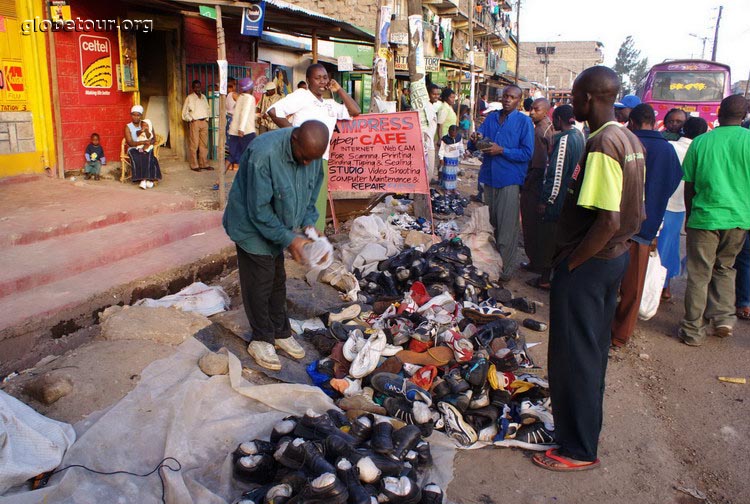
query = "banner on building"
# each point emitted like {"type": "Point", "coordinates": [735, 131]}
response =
{"type": "Point", "coordinates": [432, 64]}
{"type": "Point", "coordinates": [59, 10]}
{"type": "Point", "coordinates": [97, 70]}
{"type": "Point", "coordinates": [252, 20]}
{"type": "Point", "coordinates": [345, 64]}
{"type": "Point", "coordinates": [415, 32]}
{"type": "Point", "coordinates": [378, 153]}
{"type": "Point", "coordinates": [385, 24]}
{"type": "Point", "coordinates": [128, 61]}
{"type": "Point", "coordinates": [12, 86]}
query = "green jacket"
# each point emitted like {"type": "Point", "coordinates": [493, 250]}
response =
{"type": "Point", "coordinates": [272, 195]}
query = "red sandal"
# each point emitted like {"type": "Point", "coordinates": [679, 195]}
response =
{"type": "Point", "coordinates": [549, 461]}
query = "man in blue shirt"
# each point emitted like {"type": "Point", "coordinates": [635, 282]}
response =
{"type": "Point", "coordinates": [506, 137]}
{"type": "Point", "coordinates": [273, 198]}
{"type": "Point", "coordinates": [663, 175]}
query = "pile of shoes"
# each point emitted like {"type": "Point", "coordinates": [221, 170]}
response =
{"type": "Point", "coordinates": [444, 267]}
{"type": "Point", "coordinates": [446, 204]}
{"type": "Point", "coordinates": [408, 223]}
{"type": "Point", "coordinates": [451, 359]}
{"type": "Point", "coordinates": [326, 459]}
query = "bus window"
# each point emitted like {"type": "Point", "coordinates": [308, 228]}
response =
{"type": "Point", "coordinates": [688, 86]}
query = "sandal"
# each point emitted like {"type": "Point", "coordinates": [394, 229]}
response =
{"type": "Point", "coordinates": [666, 295]}
{"type": "Point", "coordinates": [552, 462]}
{"type": "Point", "coordinates": [537, 282]}
{"type": "Point", "coordinates": [743, 313]}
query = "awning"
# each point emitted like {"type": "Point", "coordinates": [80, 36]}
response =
{"type": "Point", "coordinates": [284, 17]}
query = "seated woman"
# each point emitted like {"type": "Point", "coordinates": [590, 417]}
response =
{"type": "Point", "coordinates": [140, 136]}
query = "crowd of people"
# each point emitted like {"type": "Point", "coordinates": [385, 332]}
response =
{"type": "Point", "coordinates": [592, 205]}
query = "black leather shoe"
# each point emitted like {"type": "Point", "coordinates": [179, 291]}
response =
{"type": "Point", "coordinates": [424, 455]}
{"type": "Point", "coordinates": [335, 448]}
{"type": "Point", "coordinates": [318, 427]}
{"type": "Point", "coordinates": [347, 473]}
{"type": "Point", "coordinates": [259, 469]}
{"type": "Point", "coordinates": [381, 440]}
{"type": "Point", "coordinates": [361, 428]}
{"type": "Point", "coordinates": [432, 494]}
{"type": "Point", "coordinates": [299, 454]}
{"type": "Point", "coordinates": [405, 439]}
{"type": "Point", "coordinates": [400, 491]}
{"type": "Point", "coordinates": [325, 489]}
{"type": "Point", "coordinates": [255, 447]}
{"type": "Point", "coordinates": [283, 428]}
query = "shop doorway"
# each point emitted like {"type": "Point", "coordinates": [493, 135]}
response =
{"type": "Point", "coordinates": [153, 80]}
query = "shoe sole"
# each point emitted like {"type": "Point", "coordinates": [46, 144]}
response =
{"type": "Point", "coordinates": [481, 318]}
{"type": "Point", "coordinates": [517, 443]}
{"type": "Point", "coordinates": [455, 425]}
{"type": "Point", "coordinates": [268, 365]}
{"type": "Point", "coordinates": [293, 356]}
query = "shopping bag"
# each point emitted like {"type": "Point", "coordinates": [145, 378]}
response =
{"type": "Point", "coordinates": [656, 274]}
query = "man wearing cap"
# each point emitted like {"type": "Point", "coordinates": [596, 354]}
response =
{"type": "Point", "coordinates": [624, 106]}
{"type": "Point", "coordinates": [242, 129]}
{"type": "Point", "coordinates": [267, 101]}
{"type": "Point", "coordinates": [196, 112]}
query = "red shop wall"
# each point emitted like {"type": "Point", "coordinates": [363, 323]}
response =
{"type": "Point", "coordinates": [83, 114]}
{"type": "Point", "coordinates": [200, 41]}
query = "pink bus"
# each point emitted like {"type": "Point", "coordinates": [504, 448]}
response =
{"type": "Point", "coordinates": [695, 86]}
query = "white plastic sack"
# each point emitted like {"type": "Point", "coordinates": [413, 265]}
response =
{"type": "Point", "coordinates": [370, 241]}
{"type": "Point", "coordinates": [479, 237]}
{"type": "Point", "coordinates": [197, 297]}
{"type": "Point", "coordinates": [318, 253]}
{"type": "Point", "coordinates": [656, 274]}
{"type": "Point", "coordinates": [30, 443]}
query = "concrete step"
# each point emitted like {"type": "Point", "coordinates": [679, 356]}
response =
{"type": "Point", "coordinates": [27, 317]}
{"type": "Point", "coordinates": [55, 259]}
{"type": "Point", "coordinates": [42, 208]}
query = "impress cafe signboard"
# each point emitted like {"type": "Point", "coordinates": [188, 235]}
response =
{"type": "Point", "coordinates": [97, 72]}
{"type": "Point", "coordinates": [378, 153]}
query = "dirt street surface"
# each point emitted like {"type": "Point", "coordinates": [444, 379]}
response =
{"type": "Point", "coordinates": [673, 433]}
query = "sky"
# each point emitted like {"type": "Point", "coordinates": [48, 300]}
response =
{"type": "Point", "coordinates": [660, 28]}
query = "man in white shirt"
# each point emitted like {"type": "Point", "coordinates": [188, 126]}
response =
{"type": "Point", "coordinates": [431, 109]}
{"type": "Point", "coordinates": [196, 112]}
{"type": "Point", "coordinates": [308, 104]}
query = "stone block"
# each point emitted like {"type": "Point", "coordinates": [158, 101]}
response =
{"type": "Point", "coordinates": [26, 145]}
{"type": "Point", "coordinates": [25, 130]}
{"type": "Point", "coordinates": [3, 127]}
{"type": "Point", "coordinates": [13, 138]}
{"type": "Point", "coordinates": [162, 325]}
{"type": "Point", "coordinates": [5, 137]}
{"type": "Point", "coordinates": [5, 147]}
{"type": "Point", "coordinates": [9, 117]}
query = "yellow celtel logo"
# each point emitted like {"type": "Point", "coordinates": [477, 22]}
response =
{"type": "Point", "coordinates": [98, 73]}
{"type": "Point", "coordinates": [700, 86]}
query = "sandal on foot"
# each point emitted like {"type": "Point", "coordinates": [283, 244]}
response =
{"type": "Point", "coordinates": [552, 462]}
{"type": "Point", "coordinates": [743, 313]}
{"type": "Point", "coordinates": [666, 295]}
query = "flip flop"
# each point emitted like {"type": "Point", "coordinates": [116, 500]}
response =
{"type": "Point", "coordinates": [549, 459]}
{"type": "Point", "coordinates": [743, 313]}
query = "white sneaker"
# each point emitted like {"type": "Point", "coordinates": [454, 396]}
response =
{"type": "Point", "coordinates": [531, 413]}
{"type": "Point", "coordinates": [264, 354]}
{"type": "Point", "coordinates": [290, 346]}
{"type": "Point", "coordinates": [149, 184]}
{"type": "Point", "coordinates": [143, 185]}
{"type": "Point", "coordinates": [348, 313]}
{"type": "Point", "coordinates": [368, 357]}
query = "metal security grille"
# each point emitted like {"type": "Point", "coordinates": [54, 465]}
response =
{"type": "Point", "coordinates": [208, 74]}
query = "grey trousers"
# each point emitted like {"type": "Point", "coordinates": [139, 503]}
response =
{"type": "Point", "coordinates": [709, 294]}
{"type": "Point", "coordinates": [504, 217]}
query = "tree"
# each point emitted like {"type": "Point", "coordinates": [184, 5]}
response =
{"type": "Point", "coordinates": [629, 66]}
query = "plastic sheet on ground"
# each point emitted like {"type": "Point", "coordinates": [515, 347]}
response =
{"type": "Point", "coordinates": [30, 443]}
{"type": "Point", "coordinates": [370, 241]}
{"type": "Point", "coordinates": [196, 297]}
{"type": "Point", "coordinates": [478, 236]}
{"type": "Point", "coordinates": [177, 411]}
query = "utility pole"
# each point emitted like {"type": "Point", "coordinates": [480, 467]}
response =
{"type": "Point", "coordinates": [518, 39]}
{"type": "Point", "coordinates": [416, 65]}
{"type": "Point", "coordinates": [471, 69]}
{"type": "Point", "coordinates": [545, 52]}
{"type": "Point", "coordinates": [222, 54]}
{"type": "Point", "coordinates": [380, 65]}
{"type": "Point", "coordinates": [716, 34]}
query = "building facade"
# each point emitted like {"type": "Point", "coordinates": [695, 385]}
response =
{"type": "Point", "coordinates": [565, 60]}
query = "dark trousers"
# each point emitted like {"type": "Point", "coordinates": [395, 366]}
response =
{"type": "Point", "coordinates": [582, 304]}
{"type": "Point", "coordinates": [263, 285]}
{"type": "Point", "coordinates": [742, 283]}
{"type": "Point", "coordinates": [531, 223]}
{"type": "Point", "coordinates": [631, 292]}
{"type": "Point", "coordinates": [503, 203]}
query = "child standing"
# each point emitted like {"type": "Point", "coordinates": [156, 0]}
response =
{"type": "Point", "coordinates": [465, 121]}
{"type": "Point", "coordinates": [94, 158]}
{"type": "Point", "coordinates": [451, 151]}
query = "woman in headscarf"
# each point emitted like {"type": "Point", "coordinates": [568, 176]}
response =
{"type": "Point", "coordinates": [242, 129]}
{"type": "Point", "coordinates": [141, 138]}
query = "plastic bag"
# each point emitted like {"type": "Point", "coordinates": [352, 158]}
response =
{"type": "Point", "coordinates": [318, 253]}
{"type": "Point", "coordinates": [656, 274]}
{"type": "Point", "coordinates": [196, 297]}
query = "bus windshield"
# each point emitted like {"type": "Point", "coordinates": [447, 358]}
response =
{"type": "Point", "coordinates": [705, 86]}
